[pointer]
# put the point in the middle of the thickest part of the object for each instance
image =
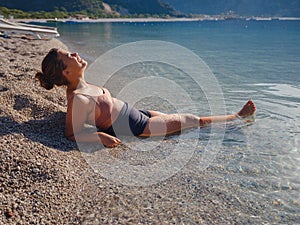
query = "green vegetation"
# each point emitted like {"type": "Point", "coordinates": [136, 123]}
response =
{"type": "Point", "coordinates": [143, 7]}
{"type": "Point", "coordinates": [59, 14]}
{"type": "Point", "coordinates": [62, 14]}
{"type": "Point", "coordinates": [48, 9]}
{"type": "Point", "coordinates": [16, 13]}
{"type": "Point", "coordinates": [92, 8]}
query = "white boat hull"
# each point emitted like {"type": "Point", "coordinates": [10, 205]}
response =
{"type": "Point", "coordinates": [38, 31]}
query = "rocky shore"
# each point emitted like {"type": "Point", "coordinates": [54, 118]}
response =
{"type": "Point", "coordinates": [38, 168]}
{"type": "Point", "coordinates": [44, 178]}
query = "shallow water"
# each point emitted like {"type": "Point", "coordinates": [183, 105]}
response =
{"type": "Point", "coordinates": [250, 59]}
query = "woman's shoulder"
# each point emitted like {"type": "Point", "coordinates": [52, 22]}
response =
{"type": "Point", "coordinates": [90, 91]}
{"type": "Point", "coordinates": [78, 97]}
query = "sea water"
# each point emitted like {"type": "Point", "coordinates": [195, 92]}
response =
{"type": "Point", "coordinates": [249, 59]}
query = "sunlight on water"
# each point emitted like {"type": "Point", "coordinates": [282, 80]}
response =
{"type": "Point", "coordinates": [284, 90]}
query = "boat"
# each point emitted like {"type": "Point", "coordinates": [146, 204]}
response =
{"type": "Point", "coordinates": [40, 32]}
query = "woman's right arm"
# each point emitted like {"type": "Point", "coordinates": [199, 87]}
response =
{"type": "Point", "coordinates": [106, 139]}
{"type": "Point", "coordinates": [78, 108]}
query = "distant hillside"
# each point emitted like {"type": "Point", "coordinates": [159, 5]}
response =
{"type": "Point", "coordinates": [161, 7]}
{"type": "Point", "coordinates": [51, 5]}
{"type": "Point", "coordinates": [241, 7]}
{"type": "Point", "coordinates": [91, 6]}
{"type": "Point", "coordinates": [142, 6]}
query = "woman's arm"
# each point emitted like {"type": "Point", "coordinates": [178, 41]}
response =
{"type": "Point", "coordinates": [78, 108]}
{"type": "Point", "coordinates": [106, 139]}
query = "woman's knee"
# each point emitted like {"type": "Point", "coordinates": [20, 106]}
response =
{"type": "Point", "coordinates": [190, 119]}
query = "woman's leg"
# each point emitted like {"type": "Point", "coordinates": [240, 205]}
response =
{"type": "Point", "coordinates": [164, 124]}
{"type": "Point", "coordinates": [156, 113]}
{"type": "Point", "coordinates": [161, 125]}
{"type": "Point", "coordinates": [248, 109]}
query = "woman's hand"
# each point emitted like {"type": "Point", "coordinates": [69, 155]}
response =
{"type": "Point", "coordinates": [108, 140]}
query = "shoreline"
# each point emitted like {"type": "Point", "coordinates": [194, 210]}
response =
{"type": "Point", "coordinates": [145, 20]}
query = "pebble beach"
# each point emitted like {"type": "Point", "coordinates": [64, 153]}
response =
{"type": "Point", "coordinates": [44, 178]}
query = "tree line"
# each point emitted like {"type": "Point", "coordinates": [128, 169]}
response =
{"type": "Point", "coordinates": [91, 8]}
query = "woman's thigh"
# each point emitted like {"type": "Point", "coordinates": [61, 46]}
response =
{"type": "Point", "coordinates": [169, 123]}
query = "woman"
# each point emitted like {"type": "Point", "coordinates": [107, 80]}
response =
{"type": "Point", "coordinates": [94, 105]}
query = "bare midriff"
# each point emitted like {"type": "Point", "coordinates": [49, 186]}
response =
{"type": "Point", "coordinates": [107, 109]}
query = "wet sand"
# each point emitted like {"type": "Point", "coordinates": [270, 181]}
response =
{"type": "Point", "coordinates": [44, 178]}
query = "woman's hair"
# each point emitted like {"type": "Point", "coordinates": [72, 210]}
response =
{"type": "Point", "coordinates": [52, 68]}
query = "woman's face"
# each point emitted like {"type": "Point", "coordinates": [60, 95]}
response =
{"type": "Point", "coordinates": [73, 62]}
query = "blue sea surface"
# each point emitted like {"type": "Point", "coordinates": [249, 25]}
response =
{"type": "Point", "coordinates": [250, 59]}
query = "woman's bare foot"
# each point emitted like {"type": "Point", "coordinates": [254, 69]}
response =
{"type": "Point", "coordinates": [248, 109]}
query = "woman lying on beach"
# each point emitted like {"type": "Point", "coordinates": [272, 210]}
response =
{"type": "Point", "coordinates": [90, 104]}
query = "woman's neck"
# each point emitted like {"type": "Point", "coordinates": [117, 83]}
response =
{"type": "Point", "coordinates": [77, 84]}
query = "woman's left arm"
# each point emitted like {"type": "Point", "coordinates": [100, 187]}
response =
{"type": "Point", "coordinates": [78, 108]}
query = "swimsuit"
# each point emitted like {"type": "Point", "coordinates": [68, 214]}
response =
{"type": "Point", "coordinates": [129, 122]}
{"type": "Point", "coordinates": [105, 103]}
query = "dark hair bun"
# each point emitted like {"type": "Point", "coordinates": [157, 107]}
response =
{"type": "Point", "coordinates": [45, 83]}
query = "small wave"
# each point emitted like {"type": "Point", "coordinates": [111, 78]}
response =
{"type": "Point", "coordinates": [285, 90]}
